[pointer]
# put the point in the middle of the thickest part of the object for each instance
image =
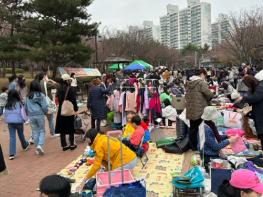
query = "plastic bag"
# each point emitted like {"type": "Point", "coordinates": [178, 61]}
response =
{"type": "Point", "coordinates": [194, 176]}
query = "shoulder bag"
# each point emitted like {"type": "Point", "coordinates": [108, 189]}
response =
{"type": "Point", "coordinates": [67, 108]}
{"type": "Point", "coordinates": [52, 108]}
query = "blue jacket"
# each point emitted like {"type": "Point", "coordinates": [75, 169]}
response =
{"type": "Point", "coordinates": [13, 115]}
{"type": "Point", "coordinates": [212, 147]}
{"type": "Point", "coordinates": [37, 105]}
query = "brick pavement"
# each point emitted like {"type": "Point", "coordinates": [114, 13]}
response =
{"type": "Point", "coordinates": [27, 169]}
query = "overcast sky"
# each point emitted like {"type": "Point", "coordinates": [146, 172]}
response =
{"type": "Point", "coordinates": [119, 14]}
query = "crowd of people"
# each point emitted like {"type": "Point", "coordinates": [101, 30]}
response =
{"type": "Point", "coordinates": [135, 101]}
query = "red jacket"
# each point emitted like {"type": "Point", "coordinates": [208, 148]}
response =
{"type": "Point", "coordinates": [137, 135]}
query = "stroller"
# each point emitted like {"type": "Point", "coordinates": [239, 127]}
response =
{"type": "Point", "coordinates": [85, 121]}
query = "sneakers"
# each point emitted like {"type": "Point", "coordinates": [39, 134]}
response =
{"type": "Point", "coordinates": [11, 157]}
{"type": "Point", "coordinates": [54, 135]}
{"type": "Point", "coordinates": [27, 147]}
{"type": "Point", "coordinates": [40, 150]}
{"type": "Point", "coordinates": [31, 141]}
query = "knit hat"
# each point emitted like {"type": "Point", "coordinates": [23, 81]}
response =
{"type": "Point", "coordinates": [210, 113]}
{"type": "Point", "coordinates": [91, 134]}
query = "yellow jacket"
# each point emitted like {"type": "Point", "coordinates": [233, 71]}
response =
{"type": "Point", "coordinates": [101, 154]}
{"type": "Point", "coordinates": [128, 131]}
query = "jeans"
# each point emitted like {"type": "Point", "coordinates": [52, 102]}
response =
{"type": "Point", "coordinates": [20, 131]}
{"type": "Point", "coordinates": [129, 165]}
{"type": "Point", "coordinates": [63, 139]}
{"type": "Point", "coordinates": [97, 121]}
{"type": "Point", "coordinates": [193, 133]}
{"type": "Point", "coordinates": [38, 129]}
{"type": "Point", "coordinates": [50, 118]}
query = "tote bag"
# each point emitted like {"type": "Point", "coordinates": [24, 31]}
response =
{"type": "Point", "coordinates": [67, 108]}
{"type": "Point", "coordinates": [52, 108]}
{"type": "Point", "coordinates": [232, 119]}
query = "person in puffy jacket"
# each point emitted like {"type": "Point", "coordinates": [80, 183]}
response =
{"type": "Point", "coordinates": [98, 143]}
{"type": "Point", "coordinates": [36, 107]}
{"type": "Point", "coordinates": [14, 118]}
{"type": "Point", "coordinates": [197, 98]}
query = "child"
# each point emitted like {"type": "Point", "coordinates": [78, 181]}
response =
{"type": "Point", "coordinates": [3, 99]}
{"type": "Point", "coordinates": [136, 137]}
{"type": "Point", "coordinates": [15, 121]}
{"type": "Point", "coordinates": [129, 129]}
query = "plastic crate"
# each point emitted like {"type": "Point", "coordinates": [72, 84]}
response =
{"type": "Point", "coordinates": [103, 180]}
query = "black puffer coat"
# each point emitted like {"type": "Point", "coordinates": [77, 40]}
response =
{"type": "Point", "coordinates": [256, 101]}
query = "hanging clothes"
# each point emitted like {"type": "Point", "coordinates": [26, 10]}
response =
{"type": "Point", "coordinates": [155, 106]}
{"type": "Point", "coordinates": [109, 102]}
{"type": "Point", "coordinates": [117, 115]}
{"type": "Point", "coordinates": [130, 102]}
{"type": "Point", "coordinates": [122, 106]}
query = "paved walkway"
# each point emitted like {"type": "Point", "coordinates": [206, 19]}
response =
{"type": "Point", "coordinates": [27, 169]}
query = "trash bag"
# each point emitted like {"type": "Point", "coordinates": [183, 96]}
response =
{"type": "Point", "coordinates": [190, 180]}
{"type": "Point", "coordinates": [181, 145]}
{"type": "Point", "coordinates": [135, 189]}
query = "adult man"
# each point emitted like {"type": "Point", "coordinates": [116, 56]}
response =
{"type": "Point", "coordinates": [197, 97]}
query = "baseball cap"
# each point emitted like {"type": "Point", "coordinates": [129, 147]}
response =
{"type": "Point", "coordinates": [246, 179]}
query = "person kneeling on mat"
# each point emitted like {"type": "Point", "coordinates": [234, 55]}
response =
{"type": "Point", "coordinates": [99, 145]}
{"type": "Point", "coordinates": [213, 141]}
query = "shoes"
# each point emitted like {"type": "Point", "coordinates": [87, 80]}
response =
{"type": "Point", "coordinates": [54, 135]}
{"type": "Point", "coordinates": [73, 147]}
{"type": "Point", "coordinates": [11, 157]}
{"type": "Point", "coordinates": [31, 141]}
{"type": "Point", "coordinates": [65, 148]}
{"type": "Point", "coordinates": [40, 150]}
{"type": "Point", "coordinates": [27, 147]}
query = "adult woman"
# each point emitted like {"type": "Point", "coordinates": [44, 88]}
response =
{"type": "Point", "coordinates": [12, 82]}
{"type": "Point", "coordinates": [243, 183]}
{"type": "Point", "coordinates": [21, 87]}
{"type": "Point", "coordinates": [96, 103]}
{"type": "Point", "coordinates": [98, 143]}
{"type": "Point", "coordinates": [36, 107]}
{"type": "Point", "coordinates": [15, 121]}
{"type": "Point", "coordinates": [65, 124]}
{"type": "Point", "coordinates": [255, 99]}
{"type": "Point", "coordinates": [213, 141]}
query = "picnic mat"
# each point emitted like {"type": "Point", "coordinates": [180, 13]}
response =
{"type": "Point", "coordinates": [158, 170]}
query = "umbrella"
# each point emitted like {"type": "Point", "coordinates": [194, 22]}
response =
{"type": "Point", "coordinates": [115, 67]}
{"type": "Point", "coordinates": [132, 67]}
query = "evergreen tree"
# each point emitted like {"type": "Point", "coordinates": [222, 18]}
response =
{"type": "Point", "coordinates": [10, 18]}
{"type": "Point", "coordinates": [53, 30]}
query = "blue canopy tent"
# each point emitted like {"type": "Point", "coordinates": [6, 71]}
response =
{"type": "Point", "coordinates": [133, 67]}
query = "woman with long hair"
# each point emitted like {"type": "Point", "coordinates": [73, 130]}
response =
{"type": "Point", "coordinates": [21, 87]}
{"type": "Point", "coordinates": [14, 119]}
{"type": "Point", "coordinates": [36, 108]}
{"type": "Point", "coordinates": [65, 124]}
{"type": "Point", "coordinates": [255, 99]}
